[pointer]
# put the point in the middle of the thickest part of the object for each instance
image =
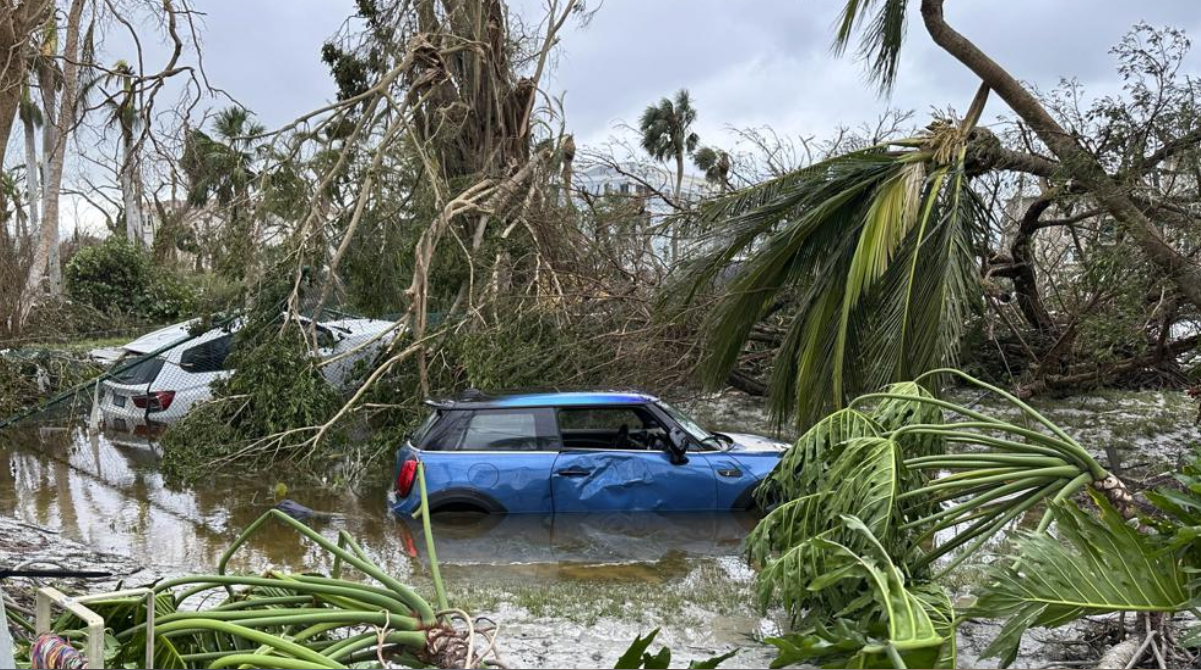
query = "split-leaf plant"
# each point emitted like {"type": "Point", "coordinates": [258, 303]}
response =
{"type": "Point", "coordinates": [878, 500]}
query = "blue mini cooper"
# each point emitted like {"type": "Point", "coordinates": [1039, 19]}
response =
{"type": "Point", "coordinates": [569, 452]}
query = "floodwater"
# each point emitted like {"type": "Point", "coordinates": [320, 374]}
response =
{"type": "Point", "coordinates": [571, 590]}
{"type": "Point", "coordinates": [111, 496]}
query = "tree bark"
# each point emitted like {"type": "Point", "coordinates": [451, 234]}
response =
{"type": "Point", "coordinates": [1075, 161]}
{"type": "Point", "coordinates": [48, 82]}
{"type": "Point", "coordinates": [1098, 374]}
{"type": "Point", "coordinates": [1021, 269]}
{"type": "Point", "coordinates": [18, 22]}
{"type": "Point", "coordinates": [45, 258]}
{"type": "Point", "coordinates": [675, 237]}
{"type": "Point", "coordinates": [32, 171]}
{"type": "Point", "coordinates": [131, 189]}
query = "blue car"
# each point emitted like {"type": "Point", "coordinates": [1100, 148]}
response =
{"type": "Point", "coordinates": [576, 452]}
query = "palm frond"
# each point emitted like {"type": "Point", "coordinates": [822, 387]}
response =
{"type": "Point", "coordinates": [1094, 566]}
{"type": "Point", "coordinates": [881, 35]}
{"type": "Point", "coordinates": [874, 249]}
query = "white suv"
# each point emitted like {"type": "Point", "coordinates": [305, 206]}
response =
{"type": "Point", "coordinates": [161, 390]}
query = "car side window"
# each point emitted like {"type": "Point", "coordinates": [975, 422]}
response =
{"type": "Point", "coordinates": [610, 428]}
{"type": "Point", "coordinates": [209, 356]}
{"type": "Point", "coordinates": [526, 429]}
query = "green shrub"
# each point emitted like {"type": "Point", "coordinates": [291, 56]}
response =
{"type": "Point", "coordinates": [276, 386]}
{"type": "Point", "coordinates": [117, 276]}
{"type": "Point", "coordinates": [215, 293]}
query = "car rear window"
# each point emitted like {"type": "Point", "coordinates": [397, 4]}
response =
{"type": "Point", "coordinates": [207, 357]}
{"type": "Point", "coordinates": [418, 436]}
{"type": "Point", "coordinates": [142, 372]}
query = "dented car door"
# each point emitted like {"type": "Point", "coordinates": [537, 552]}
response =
{"type": "Point", "coordinates": [596, 480]}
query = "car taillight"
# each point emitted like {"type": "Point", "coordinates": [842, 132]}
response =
{"type": "Point", "coordinates": [154, 402]}
{"type": "Point", "coordinates": [405, 478]}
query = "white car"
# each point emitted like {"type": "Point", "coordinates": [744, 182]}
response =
{"type": "Point", "coordinates": [160, 390]}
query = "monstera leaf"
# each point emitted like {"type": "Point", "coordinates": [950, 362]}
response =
{"type": "Point", "coordinates": [1095, 566]}
{"type": "Point", "coordinates": [889, 625]}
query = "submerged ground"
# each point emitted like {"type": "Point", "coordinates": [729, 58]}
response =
{"type": "Point", "coordinates": [567, 592]}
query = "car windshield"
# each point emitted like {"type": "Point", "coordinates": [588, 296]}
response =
{"type": "Point", "coordinates": [686, 422]}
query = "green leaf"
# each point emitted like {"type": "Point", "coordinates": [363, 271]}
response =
{"type": "Point", "coordinates": [862, 481]}
{"type": "Point", "coordinates": [941, 611]}
{"type": "Point", "coordinates": [636, 657]}
{"type": "Point", "coordinates": [1095, 566]}
{"type": "Point", "coordinates": [713, 662]}
{"type": "Point", "coordinates": [854, 639]}
{"type": "Point", "coordinates": [804, 465]}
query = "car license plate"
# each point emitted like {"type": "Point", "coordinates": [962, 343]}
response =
{"type": "Point", "coordinates": [118, 399]}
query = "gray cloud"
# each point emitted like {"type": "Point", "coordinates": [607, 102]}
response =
{"type": "Point", "coordinates": [747, 63]}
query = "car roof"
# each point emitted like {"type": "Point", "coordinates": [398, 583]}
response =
{"type": "Point", "coordinates": [159, 338]}
{"type": "Point", "coordinates": [177, 334]}
{"type": "Point", "coordinates": [477, 400]}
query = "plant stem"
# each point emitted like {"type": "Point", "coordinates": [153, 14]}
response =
{"type": "Point", "coordinates": [439, 589]}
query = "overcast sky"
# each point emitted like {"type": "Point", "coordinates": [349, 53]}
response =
{"type": "Point", "coordinates": [746, 62]}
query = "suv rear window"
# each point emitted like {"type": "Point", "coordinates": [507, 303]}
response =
{"type": "Point", "coordinates": [207, 357]}
{"type": "Point", "coordinates": [495, 430]}
{"type": "Point", "coordinates": [142, 372]}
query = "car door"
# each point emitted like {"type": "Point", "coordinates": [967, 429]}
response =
{"type": "Point", "coordinates": [498, 460]}
{"type": "Point", "coordinates": [630, 474]}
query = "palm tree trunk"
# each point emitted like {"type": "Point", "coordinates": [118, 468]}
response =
{"type": "Point", "coordinates": [675, 237]}
{"type": "Point", "coordinates": [1078, 163]}
{"type": "Point", "coordinates": [32, 172]}
{"type": "Point", "coordinates": [45, 259]}
{"type": "Point", "coordinates": [130, 181]}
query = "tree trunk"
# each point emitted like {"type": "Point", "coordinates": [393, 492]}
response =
{"type": "Point", "coordinates": [48, 82]}
{"type": "Point", "coordinates": [1020, 269]}
{"type": "Point", "coordinates": [675, 236]}
{"type": "Point", "coordinates": [1076, 162]}
{"type": "Point", "coordinates": [10, 99]}
{"type": "Point", "coordinates": [45, 259]}
{"type": "Point", "coordinates": [32, 171]}
{"type": "Point", "coordinates": [130, 191]}
{"type": "Point", "coordinates": [18, 22]}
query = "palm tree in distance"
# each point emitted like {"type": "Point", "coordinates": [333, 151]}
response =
{"type": "Point", "coordinates": [222, 167]}
{"type": "Point", "coordinates": [666, 130]}
{"type": "Point", "coordinates": [123, 113]}
{"type": "Point", "coordinates": [715, 163]}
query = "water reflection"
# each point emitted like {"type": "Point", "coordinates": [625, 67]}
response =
{"type": "Point", "coordinates": [611, 537]}
{"type": "Point", "coordinates": [112, 497]}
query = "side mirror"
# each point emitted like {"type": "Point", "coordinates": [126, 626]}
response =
{"type": "Point", "coordinates": [677, 447]}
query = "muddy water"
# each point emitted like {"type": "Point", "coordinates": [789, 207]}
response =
{"type": "Point", "coordinates": [570, 590]}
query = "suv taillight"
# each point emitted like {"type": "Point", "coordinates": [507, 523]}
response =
{"type": "Point", "coordinates": [405, 478]}
{"type": "Point", "coordinates": [154, 402]}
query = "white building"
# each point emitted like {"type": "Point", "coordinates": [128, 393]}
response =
{"type": "Point", "coordinates": [653, 186]}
